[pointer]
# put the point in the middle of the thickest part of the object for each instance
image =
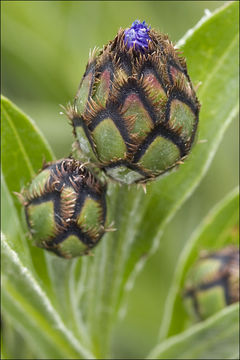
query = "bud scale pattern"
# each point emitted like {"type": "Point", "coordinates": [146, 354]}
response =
{"type": "Point", "coordinates": [65, 208]}
{"type": "Point", "coordinates": [135, 114]}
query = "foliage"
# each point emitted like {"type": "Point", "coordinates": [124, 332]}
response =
{"type": "Point", "coordinates": [68, 309]}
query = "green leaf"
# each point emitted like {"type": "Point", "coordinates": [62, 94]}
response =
{"type": "Point", "coordinates": [29, 298]}
{"type": "Point", "coordinates": [215, 338]}
{"type": "Point", "coordinates": [140, 219]}
{"type": "Point", "coordinates": [218, 229]}
{"type": "Point", "coordinates": [24, 152]}
{"type": "Point", "coordinates": [24, 147]}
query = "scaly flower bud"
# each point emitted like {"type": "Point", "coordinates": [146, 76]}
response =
{"type": "Point", "coordinates": [213, 283]}
{"type": "Point", "coordinates": [135, 114]}
{"type": "Point", "coordinates": [65, 208]}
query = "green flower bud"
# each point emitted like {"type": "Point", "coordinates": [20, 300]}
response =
{"type": "Point", "coordinates": [65, 208]}
{"type": "Point", "coordinates": [135, 114]}
{"type": "Point", "coordinates": [212, 283]}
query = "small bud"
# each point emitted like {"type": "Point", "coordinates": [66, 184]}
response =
{"type": "Point", "coordinates": [135, 114]}
{"type": "Point", "coordinates": [212, 283]}
{"type": "Point", "coordinates": [65, 208]}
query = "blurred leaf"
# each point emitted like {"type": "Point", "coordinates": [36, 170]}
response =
{"type": "Point", "coordinates": [139, 218]}
{"type": "Point", "coordinates": [215, 338]}
{"type": "Point", "coordinates": [220, 227]}
{"type": "Point", "coordinates": [13, 345]}
{"type": "Point", "coordinates": [28, 296]}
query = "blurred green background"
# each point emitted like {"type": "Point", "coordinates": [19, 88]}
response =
{"type": "Point", "coordinates": [45, 47]}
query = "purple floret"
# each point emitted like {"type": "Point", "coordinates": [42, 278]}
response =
{"type": "Point", "coordinates": [137, 34]}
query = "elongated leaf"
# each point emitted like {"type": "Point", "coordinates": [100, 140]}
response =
{"type": "Point", "coordinates": [29, 296]}
{"type": "Point", "coordinates": [24, 148]}
{"type": "Point", "coordinates": [218, 229]}
{"type": "Point", "coordinates": [139, 218]}
{"type": "Point", "coordinates": [215, 338]}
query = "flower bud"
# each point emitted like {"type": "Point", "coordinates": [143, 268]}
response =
{"type": "Point", "coordinates": [212, 283]}
{"type": "Point", "coordinates": [135, 114]}
{"type": "Point", "coordinates": [65, 208]}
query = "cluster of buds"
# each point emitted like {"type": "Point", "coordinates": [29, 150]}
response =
{"type": "Point", "coordinates": [212, 283]}
{"type": "Point", "coordinates": [135, 117]}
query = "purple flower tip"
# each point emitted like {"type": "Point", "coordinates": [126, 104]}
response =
{"type": "Point", "coordinates": [137, 34]}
